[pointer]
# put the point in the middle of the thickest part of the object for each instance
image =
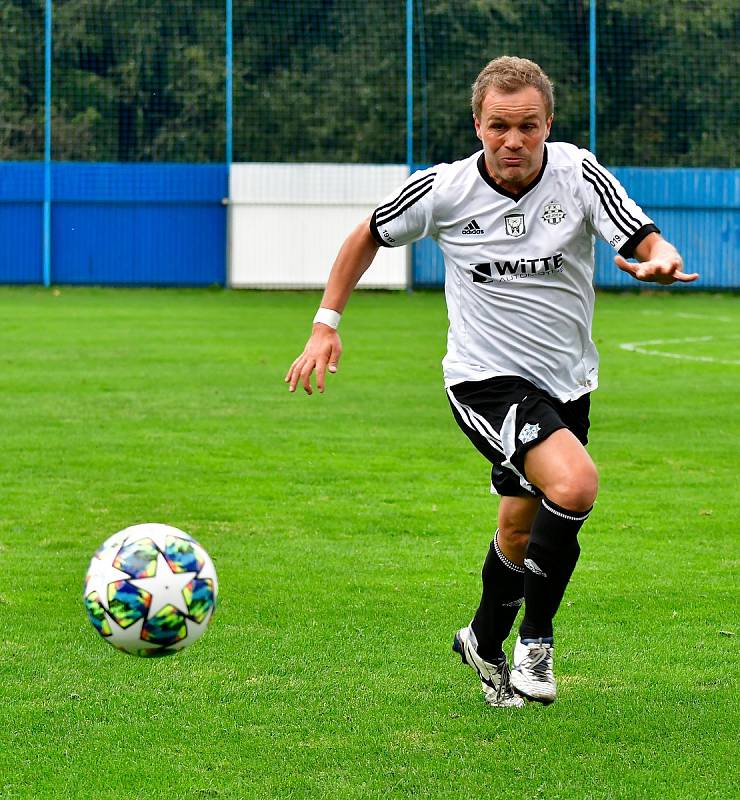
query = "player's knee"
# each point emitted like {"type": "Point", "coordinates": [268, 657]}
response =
{"type": "Point", "coordinates": [513, 537]}
{"type": "Point", "coordinates": [576, 489]}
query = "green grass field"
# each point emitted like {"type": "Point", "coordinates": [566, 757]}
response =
{"type": "Point", "coordinates": [348, 531]}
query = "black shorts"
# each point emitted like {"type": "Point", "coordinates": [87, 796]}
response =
{"type": "Point", "coordinates": [503, 417]}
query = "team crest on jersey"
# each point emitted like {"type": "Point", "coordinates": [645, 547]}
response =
{"type": "Point", "coordinates": [553, 213]}
{"type": "Point", "coordinates": [529, 433]}
{"type": "Point", "coordinates": [515, 225]}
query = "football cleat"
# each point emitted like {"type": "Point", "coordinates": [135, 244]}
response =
{"type": "Point", "coordinates": [531, 675]}
{"type": "Point", "coordinates": [494, 676]}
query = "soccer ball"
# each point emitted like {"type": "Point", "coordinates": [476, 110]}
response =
{"type": "Point", "coordinates": [150, 590]}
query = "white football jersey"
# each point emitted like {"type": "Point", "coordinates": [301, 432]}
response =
{"type": "Point", "coordinates": [518, 268]}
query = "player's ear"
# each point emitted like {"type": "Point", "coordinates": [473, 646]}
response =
{"type": "Point", "coordinates": [476, 122]}
{"type": "Point", "coordinates": [548, 122]}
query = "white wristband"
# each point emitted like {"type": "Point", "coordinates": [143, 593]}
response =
{"type": "Point", "coordinates": [328, 316]}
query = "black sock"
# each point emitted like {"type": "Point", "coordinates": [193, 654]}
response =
{"type": "Point", "coordinates": [549, 562]}
{"type": "Point", "coordinates": [503, 589]}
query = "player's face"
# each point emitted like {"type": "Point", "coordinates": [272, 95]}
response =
{"type": "Point", "coordinates": [513, 128]}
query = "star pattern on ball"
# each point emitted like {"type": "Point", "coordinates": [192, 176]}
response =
{"type": "Point", "coordinates": [102, 574]}
{"type": "Point", "coordinates": [165, 586]}
{"type": "Point", "coordinates": [150, 590]}
{"type": "Point", "coordinates": [161, 535]}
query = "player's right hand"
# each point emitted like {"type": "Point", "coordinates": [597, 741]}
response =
{"type": "Point", "coordinates": [322, 352]}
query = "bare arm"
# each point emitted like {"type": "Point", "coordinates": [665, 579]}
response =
{"type": "Point", "coordinates": [658, 262]}
{"type": "Point", "coordinates": [324, 346]}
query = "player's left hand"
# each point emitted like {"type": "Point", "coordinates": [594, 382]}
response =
{"type": "Point", "coordinates": [664, 269]}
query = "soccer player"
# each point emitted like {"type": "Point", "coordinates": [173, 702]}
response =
{"type": "Point", "coordinates": [516, 224]}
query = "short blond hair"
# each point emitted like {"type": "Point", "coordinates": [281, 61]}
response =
{"type": "Point", "coordinates": [510, 74]}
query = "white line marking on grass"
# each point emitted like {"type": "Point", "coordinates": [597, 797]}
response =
{"type": "Point", "coordinates": [649, 312]}
{"type": "Point", "coordinates": [643, 348]}
{"type": "Point", "coordinates": [703, 316]}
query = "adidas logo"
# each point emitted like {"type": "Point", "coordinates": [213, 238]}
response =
{"type": "Point", "coordinates": [472, 227]}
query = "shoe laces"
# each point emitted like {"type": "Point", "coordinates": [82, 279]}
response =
{"type": "Point", "coordinates": [504, 685]}
{"type": "Point", "coordinates": [538, 661]}
{"type": "Point", "coordinates": [499, 679]}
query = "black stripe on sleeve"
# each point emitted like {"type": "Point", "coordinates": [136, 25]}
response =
{"type": "Point", "coordinates": [419, 189]}
{"type": "Point", "coordinates": [415, 199]}
{"type": "Point", "coordinates": [609, 178]}
{"type": "Point", "coordinates": [627, 250]}
{"type": "Point", "coordinates": [606, 207]}
{"type": "Point", "coordinates": [405, 191]}
{"type": "Point", "coordinates": [604, 192]}
{"type": "Point", "coordinates": [376, 233]}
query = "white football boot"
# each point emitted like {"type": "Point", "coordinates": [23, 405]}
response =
{"type": "Point", "coordinates": [494, 677]}
{"type": "Point", "coordinates": [531, 674]}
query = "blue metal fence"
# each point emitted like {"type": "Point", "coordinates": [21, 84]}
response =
{"type": "Point", "coordinates": [21, 222]}
{"type": "Point", "coordinates": [115, 224]}
{"type": "Point", "coordinates": [165, 224]}
{"type": "Point", "coordinates": [696, 209]}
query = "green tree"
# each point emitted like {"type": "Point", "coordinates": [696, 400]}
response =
{"type": "Point", "coordinates": [21, 81]}
{"type": "Point", "coordinates": [324, 80]}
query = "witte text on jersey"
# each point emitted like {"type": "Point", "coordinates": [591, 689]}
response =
{"type": "Point", "coordinates": [507, 270]}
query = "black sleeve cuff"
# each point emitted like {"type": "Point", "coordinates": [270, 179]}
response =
{"type": "Point", "coordinates": [627, 250]}
{"type": "Point", "coordinates": [376, 233]}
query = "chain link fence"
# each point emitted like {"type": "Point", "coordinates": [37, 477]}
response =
{"type": "Point", "coordinates": [326, 80]}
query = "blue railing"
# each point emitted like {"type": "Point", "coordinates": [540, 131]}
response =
{"type": "Point", "coordinates": [117, 224]}
{"type": "Point", "coordinates": [165, 224]}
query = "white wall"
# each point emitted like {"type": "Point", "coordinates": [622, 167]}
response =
{"type": "Point", "coordinates": [287, 222]}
